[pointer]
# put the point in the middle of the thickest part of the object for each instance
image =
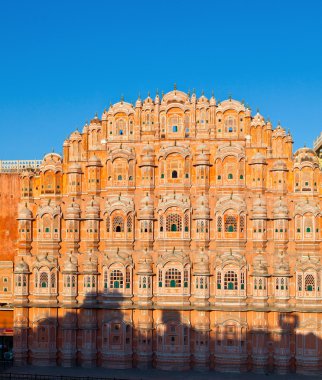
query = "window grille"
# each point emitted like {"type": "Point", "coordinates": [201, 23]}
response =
{"type": "Point", "coordinates": [219, 223]}
{"type": "Point", "coordinates": [174, 222]}
{"type": "Point", "coordinates": [309, 283]}
{"type": "Point", "coordinates": [116, 279]}
{"type": "Point", "coordinates": [118, 224]}
{"type": "Point", "coordinates": [129, 223]}
{"type": "Point", "coordinates": [173, 278]}
{"type": "Point", "coordinates": [230, 281]}
{"type": "Point", "coordinates": [44, 280]}
{"type": "Point", "coordinates": [299, 282]}
{"type": "Point", "coordinates": [231, 224]}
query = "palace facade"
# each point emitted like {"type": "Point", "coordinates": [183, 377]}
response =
{"type": "Point", "coordinates": [179, 233]}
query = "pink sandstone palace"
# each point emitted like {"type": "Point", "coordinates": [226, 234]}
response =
{"type": "Point", "coordinates": [176, 233]}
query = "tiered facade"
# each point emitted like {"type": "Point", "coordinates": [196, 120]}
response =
{"type": "Point", "coordinates": [176, 233]}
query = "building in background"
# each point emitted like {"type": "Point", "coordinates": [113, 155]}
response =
{"type": "Point", "coordinates": [177, 233]}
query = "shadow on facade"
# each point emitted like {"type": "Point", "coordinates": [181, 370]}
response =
{"type": "Point", "coordinates": [111, 333]}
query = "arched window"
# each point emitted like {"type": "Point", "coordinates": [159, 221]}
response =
{"type": "Point", "coordinates": [44, 280]}
{"type": "Point", "coordinates": [173, 278]}
{"type": "Point", "coordinates": [230, 176]}
{"type": "Point", "coordinates": [174, 128]}
{"type": "Point", "coordinates": [230, 281]}
{"type": "Point", "coordinates": [219, 223]}
{"type": "Point", "coordinates": [174, 174]}
{"type": "Point", "coordinates": [309, 283]}
{"type": "Point", "coordinates": [129, 223]}
{"type": "Point", "coordinates": [116, 279]}
{"type": "Point", "coordinates": [174, 222]}
{"type": "Point", "coordinates": [119, 177]}
{"type": "Point", "coordinates": [118, 224]}
{"type": "Point", "coordinates": [231, 224]}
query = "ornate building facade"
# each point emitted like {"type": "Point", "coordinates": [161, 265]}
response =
{"type": "Point", "coordinates": [177, 233]}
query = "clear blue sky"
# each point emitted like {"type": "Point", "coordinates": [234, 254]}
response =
{"type": "Point", "coordinates": [62, 61]}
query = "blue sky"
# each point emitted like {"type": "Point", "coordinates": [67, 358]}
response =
{"type": "Point", "coordinates": [62, 61]}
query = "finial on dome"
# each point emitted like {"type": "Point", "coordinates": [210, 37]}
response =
{"type": "Point", "coordinates": [148, 94]}
{"type": "Point", "coordinates": [175, 86]}
{"type": "Point", "coordinates": [52, 150]}
{"type": "Point", "coordinates": [95, 117]}
{"type": "Point", "coordinates": [243, 101]}
{"type": "Point", "coordinates": [162, 94]}
{"type": "Point", "coordinates": [212, 93]}
{"type": "Point", "coordinates": [188, 93]}
{"type": "Point", "coordinates": [268, 119]}
{"type": "Point", "coordinates": [279, 123]}
{"type": "Point", "coordinates": [157, 92]}
{"type": "Point", "coordinates": [202, 93]}
{"type": "Point", "coordinates": [257, 110]}
{"type": "Point", "coordinates": [194, 91]}
{"type": "Point", "coordinates": [122, 98]}
{"type": "Point", "coordinates": [229, 97]}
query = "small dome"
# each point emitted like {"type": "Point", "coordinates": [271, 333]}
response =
{"type": "Point", "coordinates": [73, 211]}
{"type": "Point", "coordinates": [145, 263]}
{"type": "Point", "coordinates": [201, 265]}
{"type": "Point", "coordinates": [69, 266]}
{"type": "Point", "coordinates": [138, 103]}
{"type": "Point", "coordinates": [281, 266]}
{"type": "Point", "coordinates": [279, 165]}
{"type": "Point", "coordinates": [260, 265]}
{"type": "Point", "coordinates": [93, 208]}
{"type": "Point", "coordinates": [75, 135]}
{"type": "Point", "coordinates": [146, 208]}
{"type": "Point", "coordinates": [94, 161]}
{"type": "Point", "coordinates": [74, 167]}
{"type": "Point", "coordinates": [202, 210]}
{"type": "Point", "coordinates": [259, 208]}
{"type": "Point", "coordinates": [21, 267]}
{"type": "Point", "coordinates": [96, 120]}
{"type": "Point", "coordinates": [258, 158]}
{"type": "Point", "coordinates": [25, 213]}
{"type": "Point", "coordinates": [280, 209]}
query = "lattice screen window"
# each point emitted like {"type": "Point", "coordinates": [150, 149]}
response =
{"type": "Point", "coordinates": [231, 224]}
{"type": "Point", "coordinates": [118, 224]}
{"type": "Point", "coordinates": [174, 222]}
{"type": "Point", "coordinates": [173, 278]}
{"type": "Point", "coordinates": [219, 224]}
{"type": "Point", "coordinates": [242, 224]}
{"type": "Point", "coordinates": [108, 222]}
{"type": "Point", "coordinates": [43, 279]}
{"type": "Point", "coordinates": [129, 223]}
{"type": "Point", "coordinates": [53, 280]}
{"type": "Point", "coordinates": [299, 282]}
{"type": "Point", "coordinates": [230, 280]}
{"type": "Point", "coordinates": [230, 125]}
{"type": "Point", "coordinates": [218, 280]}
{"type": "Point", "coordinates": [186, 222]}
{"type": "Point", "coordinates": [116, 279]}
{"type": "Point", "coordinates": [309, 283]}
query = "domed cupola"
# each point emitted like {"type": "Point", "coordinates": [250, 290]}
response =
{"type": "Point", "coordinates": [259, 208]}
{"type": "Point", "coordinates": [74, 167]}
{"type": "Point", "coordinates": [280, 209]}
{"type": "Point", "coordinates": [69, 265]}
{"type": "Point", "coordinates": [73, 211]}
{"type": "Point", "coordinates": [21, 267]}
{"type": "Point", "coordinates": [93, 209]}
{"type": "Point", "coordinates": [279, 165]}
{"type": "Point", "coordinates": [281, 266]}
{"type": "Point", "coordinates": [258, 159]}
{"type": "Point", "coordinates": [145, 264]}
{"type": "Point", "coordinates": [202, 155]}
{"type": "Point", "coordinates": [94, 161]}
{"type": "Point", "coordinates": [202, 210]}
{"type": "Point", "coordinates": [201, 265]}
{"type": "Point", "coordinates": [146, 210]}
{"type": "Point", "coordinates": [147, 157]}
{"type": "Point", "coordinates": [24, 213]}
{"type": "Point", "coordinates": [260, 266]}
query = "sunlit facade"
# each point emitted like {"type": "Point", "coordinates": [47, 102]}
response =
{"type": "Point", "coordinates": [176, 233]}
